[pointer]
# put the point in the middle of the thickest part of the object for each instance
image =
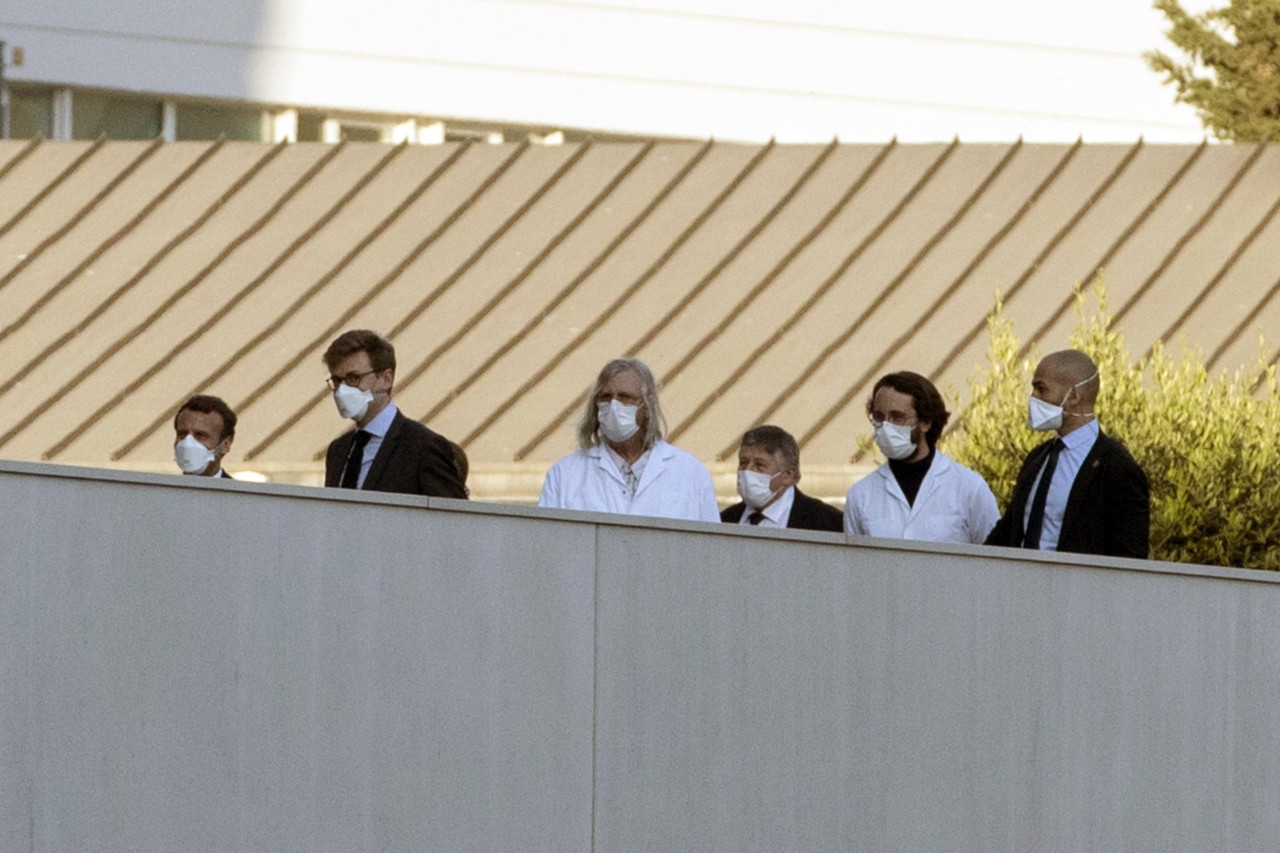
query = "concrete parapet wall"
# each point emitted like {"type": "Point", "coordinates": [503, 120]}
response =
{"type": "Point", "coordinates": [200, 665]}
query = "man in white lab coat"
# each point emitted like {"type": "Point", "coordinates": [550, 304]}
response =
{"type": "Point", "coordinates": [919, 493]}
{"type": "Point", "coordinates": [622, 463]}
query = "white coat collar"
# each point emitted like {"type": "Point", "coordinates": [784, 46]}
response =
{"type": "Point", "coordinates": [938, 471]}
{"type": "Point", "coordinates": [659, 457]}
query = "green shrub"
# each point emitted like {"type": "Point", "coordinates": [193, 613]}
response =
{"type": "Point", "coordinates": [1210, 445]}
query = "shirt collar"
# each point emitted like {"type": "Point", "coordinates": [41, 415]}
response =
{"type": "Point", "coordinates": [780, 508]}
{"type": "Point", "coordinates": [382, 421]}
{"type": "Point", "coordinates": [637, 467]}
{"type": "Point", "coordinates": [1082, 436]}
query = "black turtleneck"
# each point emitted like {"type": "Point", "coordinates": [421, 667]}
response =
{"type": "Point", "coordinates": [910, 475]}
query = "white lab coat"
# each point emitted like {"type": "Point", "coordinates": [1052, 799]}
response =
{"type": "Point", "coordinates": [673, 485]}
{"type": "Point", "coordinates": [954, 504]}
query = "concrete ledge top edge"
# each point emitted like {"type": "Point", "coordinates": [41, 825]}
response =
{"type": "Point", "coordinates": [982, 552]}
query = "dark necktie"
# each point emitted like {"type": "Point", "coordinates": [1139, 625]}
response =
{"type": "Point", "coordinates": [1036, 521]}
{"type": "Point", "coordinates": [351, 471]}
{"type": "Point", "coordinates": [755, 518]}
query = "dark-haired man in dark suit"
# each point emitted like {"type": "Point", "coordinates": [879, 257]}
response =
{"type": "Point", "coordinates": [204, 428]}
{"type": "Point", "coordinates": [768, 470]}
{"type": "Point", "coordinates": [387, 452]}
{"type": "Point", "coordinates": [1080, 492]}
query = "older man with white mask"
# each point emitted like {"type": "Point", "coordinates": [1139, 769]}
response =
{"type": "Point", "coordinates": [768, 471]}
{"type": "Point", "coordinates": [622, 463]}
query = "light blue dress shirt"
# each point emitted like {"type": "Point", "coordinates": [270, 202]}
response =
{"type": "Point", "coordinates": [1077, 445]}
{"type": "Point", "coordinates": [377, 429]}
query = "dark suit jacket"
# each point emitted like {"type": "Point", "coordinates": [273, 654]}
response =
{"type": "Point", "coordinates": [412, 460]}
{"type": "Point", "coordinates": [806, 514]}
{"type": "Point", "coordinates": [1108, 510]}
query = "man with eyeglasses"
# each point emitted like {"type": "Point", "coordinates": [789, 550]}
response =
{"type": "Point", "coordinates": [622, 463]}
{"type": "Point", "coordinates": [919, 493]}
{"type": "Point", "coordinates": [386, 452]}
{"type": "Point", "coordinates": [1080, 491]}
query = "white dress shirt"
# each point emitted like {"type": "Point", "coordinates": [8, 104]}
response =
{"type": "Point", "coordinates": [776, 514]}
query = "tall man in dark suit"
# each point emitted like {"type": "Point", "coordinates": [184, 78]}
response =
{"type": "Point", "coordinates": [1081, 492]}
{"type": "Point", "coordinates": [768, 470]}
{"type": "Point", "coordinates": [387, 452]}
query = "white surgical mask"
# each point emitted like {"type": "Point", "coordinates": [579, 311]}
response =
{"type": "Point", "coordinates": [192, 456]}
{"type": "Point", "coordinates": [351, 401]}
{"type": "Point", "coordinates": [894, 441]}
{"type": "Point", "coordinates": [1043, 416]}
{"type": "Point", "coordinates": [755, 488]}
{"type": "Point", "coordinates": [617, 420]}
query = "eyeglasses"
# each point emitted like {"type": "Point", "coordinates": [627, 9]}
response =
{"type": "Point", "coordinates": [624, 399]}
{"type": "Point", "coordinates": [352, 379]}
{"type": "Point", "coordinates": [878, 419]}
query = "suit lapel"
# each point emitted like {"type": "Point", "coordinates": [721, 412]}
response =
{"type": "Point", "coordinates": [891, 485]}
{"type": "Point", "coordinates": [929, 484]}
{"type": "Point", "coordinates": [338, 454]}
{"type": "Point", "coordinates": [801, 510]}
{"type": "Point", "coordinates": [384, 452]}
{"type": "Point", "coordinates": [658, 458]}
{"type": "Point", "coordinates": [606, 464]}
{"type": "Point", "coordinates": [1022, 491]}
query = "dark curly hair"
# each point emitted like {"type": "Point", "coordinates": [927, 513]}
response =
{"type": "Point", "coordinates": [928, 402]}
{"type": "Point", "coordinates": [206, 404]}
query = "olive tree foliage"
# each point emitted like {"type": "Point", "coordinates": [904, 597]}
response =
{"type": "Point", "coordinates": [1232, 72]}
{"type": "Point", "coordinates": [1210, 444]}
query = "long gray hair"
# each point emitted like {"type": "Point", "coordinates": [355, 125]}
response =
{"type": "Point", "coordinates": [655, 425]}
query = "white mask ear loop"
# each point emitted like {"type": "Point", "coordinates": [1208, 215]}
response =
{"type": "Point", "coordinates": [1085, 381]}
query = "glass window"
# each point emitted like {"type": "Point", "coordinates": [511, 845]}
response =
{"type": "Point", "coordinates": [30, 112]}
{"type": "Point", "coordinates": [95, 114]}
{"type": "Point", "coordinates": [209, 121]}
{"type": "Point", "coordinates": [361, 133]}
{"type": "Point", "coordinates": [453, 133]}
{"type": "Point", "coordinates": [310, 127]}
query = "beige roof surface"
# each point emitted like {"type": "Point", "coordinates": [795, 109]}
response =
{"type": "Point", "coordinates": [761, 283]}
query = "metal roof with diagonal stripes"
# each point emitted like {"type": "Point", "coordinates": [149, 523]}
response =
{"type": "Point", "coordinates": [762, 283]}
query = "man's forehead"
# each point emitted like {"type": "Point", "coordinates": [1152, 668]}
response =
{"type": "Point", "coordinates": [1070, 366]}
{"type": "Point", "coordinates": [893, 398]}
{"type": "Point", "coordinates": [757, 451]}
{"type": "Point", "coordinates": [357, 362]}
{"type": "Point", "coordinates": [1050, 370]}
{"type": "Point", "coordinates": [627, 379]}
{"type": "Point", "coordinates": [190, 419]}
